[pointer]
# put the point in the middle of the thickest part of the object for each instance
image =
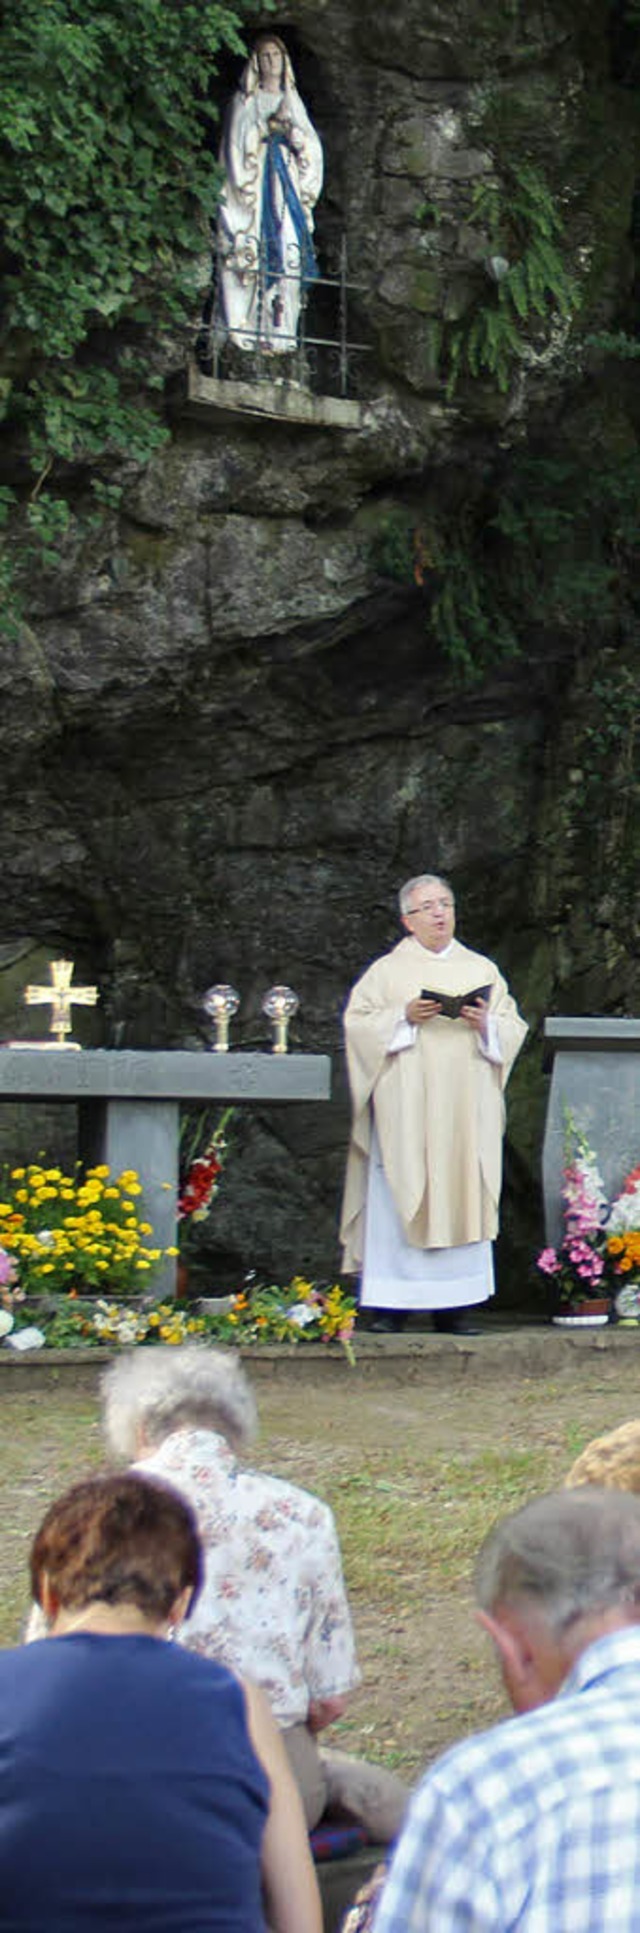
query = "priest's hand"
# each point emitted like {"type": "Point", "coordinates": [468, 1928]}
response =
{"type": "Point", "coordinates": [419, 1010]}
{"type": "Point", "coordinates": [476, 1016]}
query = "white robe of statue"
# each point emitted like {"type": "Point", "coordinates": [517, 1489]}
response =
{"type": "Point", "coordinates": [272, 159]}
{"type": "Point", "coordinates": [424, 1172]}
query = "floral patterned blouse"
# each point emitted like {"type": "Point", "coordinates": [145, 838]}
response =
{"type": "Point", "coordinates": [273, 1606]}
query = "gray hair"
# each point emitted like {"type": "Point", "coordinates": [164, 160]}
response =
{"type": "Point", "coordinates": [160, 1390]}
{"type": "Point", "coordinates": [568, 1554]}
{"type": "Point", "coordinates": [407, 891]}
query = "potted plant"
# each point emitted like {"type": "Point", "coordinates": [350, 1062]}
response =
{"type": "Point", "coordinates": [75, 1234]}
{"type": "Point", "coordinates": [579, 1267]}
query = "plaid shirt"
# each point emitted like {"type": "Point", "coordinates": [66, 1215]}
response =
{"type": "Point", "coordinates": [534, 1825]}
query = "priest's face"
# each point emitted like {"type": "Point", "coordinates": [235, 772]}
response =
{"type": "Point", "coordinates": [431, 917]}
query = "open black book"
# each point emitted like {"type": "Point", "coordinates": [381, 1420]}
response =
{"type": "Point", "coordinates": [453, 1003]}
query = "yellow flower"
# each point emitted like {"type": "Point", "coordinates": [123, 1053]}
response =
{"type": "Point", "coordinates": [302, 1287]}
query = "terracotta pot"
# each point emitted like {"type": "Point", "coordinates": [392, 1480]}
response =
{"type": "Point", "coordinates": [594, 1312]}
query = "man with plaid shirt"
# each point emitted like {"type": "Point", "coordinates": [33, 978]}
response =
{"type": "Point", "coordinates": [535, 1825]}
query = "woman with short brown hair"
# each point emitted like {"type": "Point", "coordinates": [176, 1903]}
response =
{"type": "Point", "coordinates": [142, 1789]}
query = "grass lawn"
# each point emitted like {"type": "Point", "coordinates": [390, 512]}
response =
{"type": "Point", "coordinates": [415, 1476]}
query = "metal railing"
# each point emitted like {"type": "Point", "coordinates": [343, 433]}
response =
{"type": "Point", "coordinates": [322, 357]}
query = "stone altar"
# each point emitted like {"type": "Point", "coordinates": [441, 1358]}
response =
{"type": "Point", "coordinates": [129, 1105]}
{"type": "Point", "coordinates": [596, 1074]}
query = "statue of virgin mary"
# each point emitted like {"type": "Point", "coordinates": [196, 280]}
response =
{"type": "Point", "coordinates": [272, 159]}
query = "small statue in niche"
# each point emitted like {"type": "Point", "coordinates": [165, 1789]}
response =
{"type": "Point", "coordinates": [272, 158]}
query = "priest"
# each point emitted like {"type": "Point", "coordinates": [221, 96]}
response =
{"type": "Point", "coordinates": [431, 1036]}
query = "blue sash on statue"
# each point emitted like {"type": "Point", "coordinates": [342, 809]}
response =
{"type": "Point", "coordinates": [275, 171]}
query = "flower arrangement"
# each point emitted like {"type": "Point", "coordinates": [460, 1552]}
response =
{"type": "Point", "coordinates": [202, 1171]}
{"type": "Point", "coordinates": [10, 1291]}
{"type": "Point", "coordinates": [579, 1266]}
{"type": "Point", "coordinates": [113, 1325]}
{"type": "Point", "coordinates": [623, 1247]}
{"type": "Point", "coordinates": [301, 1312]}
{"type": "Point", "coordinates": [75, 1232]}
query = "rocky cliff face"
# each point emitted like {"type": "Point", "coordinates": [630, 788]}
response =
{"type": "Point", "coordinates": [231, 727]}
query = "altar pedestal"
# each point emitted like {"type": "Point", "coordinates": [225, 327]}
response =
{"type": "Point", "coordinates": [129, 1107]}
{"type": "Point", "coordinates": [596, 1076]}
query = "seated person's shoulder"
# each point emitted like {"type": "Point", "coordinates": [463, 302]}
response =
{"type": "Point", "coordinates": [287, 1503]}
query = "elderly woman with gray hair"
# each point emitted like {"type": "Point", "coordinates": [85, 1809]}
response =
{"type": "Point", "coordinates": [273, 1605]}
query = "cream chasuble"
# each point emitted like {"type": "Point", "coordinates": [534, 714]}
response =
{"type": "Point", "coordinates": [425, 1160]}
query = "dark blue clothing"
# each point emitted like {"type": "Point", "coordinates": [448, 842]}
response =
{"type": "Point", "coordinates": [131, 1799]}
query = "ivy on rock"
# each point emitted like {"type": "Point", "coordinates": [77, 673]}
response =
{"type": "Point", "coordinates": [107, 188]}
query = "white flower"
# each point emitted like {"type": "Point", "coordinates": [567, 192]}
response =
{"type": "Point", "coordinates": [625, 1213]}
{"type": "Point", "coordinates": [6, 1322]}
{"type": "Point", "coordinates": [26, 1339]}
{"type": "Point", "coordinates": [301, 1315]}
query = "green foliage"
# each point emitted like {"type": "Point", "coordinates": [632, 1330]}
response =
{"type": "Point", "coordinates": [465, 617]}
{"type": "Point", "coordinates": [549, 543]}
{"type": "Point", "coordinates": [617, 713]}
{"type": "Point", "coordinates": [429, 214]}
{"type": "Point", "coordinates": [107, 187]}
{"type": "Point", "coordinates": [614, 343]}
{"type": "Point", "coordinates": [392, 547]}
{"type": "Point", "coordinates": [523, 230]}
{"type": "Point", "coordinates": [608, 785]}
{"type": "Point", "coordinates": [552, 540]}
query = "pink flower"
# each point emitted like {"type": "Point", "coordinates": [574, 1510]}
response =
{"type": "Point", "coordinates": [548, 1261]}
{"type": "Point", "coordinates": [8, 1270]}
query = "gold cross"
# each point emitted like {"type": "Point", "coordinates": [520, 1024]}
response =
{"type": "Point", "coordinates": [61, 996]}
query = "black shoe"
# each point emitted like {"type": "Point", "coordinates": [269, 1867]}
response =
{"type": "Point", "coordinates": [448, 1322]}
{"type": "Point", "coordinates": [390, 1324]}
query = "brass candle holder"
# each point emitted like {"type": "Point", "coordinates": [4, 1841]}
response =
{"type": "Point", "coordinates": [220, 1003]}
{"type": "Point", "coordinates": [280, 1004]}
